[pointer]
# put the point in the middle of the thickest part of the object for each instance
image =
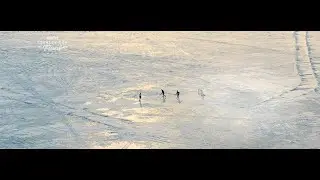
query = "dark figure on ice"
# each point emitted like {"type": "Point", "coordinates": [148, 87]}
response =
{"type": "Point", "coordinates": [162, 92]}
{"type": "Point", "coordinates": [140, 99]}
{"type": "Point", "coordinates": [178, 98]}
{"type": "Point", "coordinates": [163, 96]}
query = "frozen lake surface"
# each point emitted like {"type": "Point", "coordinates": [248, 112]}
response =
{"type": "Point", "coordinates": [80, 89]}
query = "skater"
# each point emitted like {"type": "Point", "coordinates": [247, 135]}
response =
{"type": "Point", "coordinates": [162, 92]}
{"type": "Point", "coordinates": [140, 99]}
{"type": "Point", "coordinates": [178, 98]}
{"type": "Point", "coordinates": [178, 93]}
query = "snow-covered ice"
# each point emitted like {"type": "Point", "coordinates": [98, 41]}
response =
{"type": "Point", "coordinates": [237, 89]}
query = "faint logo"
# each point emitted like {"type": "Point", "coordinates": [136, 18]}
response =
{"type": "Point", "coordinates": [52, 44]}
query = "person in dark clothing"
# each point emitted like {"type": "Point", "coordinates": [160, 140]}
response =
{"type": "Point", "coordinates": [162, 92]}
{"type": "Point", "coordinates": [140, 99]}
{"type": "Point", "coordinates": [178, 98]}
{"type": "Point", "coordinates": [178, 93]}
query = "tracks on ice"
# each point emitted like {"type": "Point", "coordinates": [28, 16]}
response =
{"type": "Point", "coordinates": [308, 81]}
{"type": "Point", "coordinates": [306, 69]}
{"type": "Point", "coordinates": [315, 63]}
{"type": "Point", "coordinates": [303, 63]}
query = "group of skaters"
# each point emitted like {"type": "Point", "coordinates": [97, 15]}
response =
{"type": "Point", "coordinates": [163, 95]}
{"type": "Point", "coordinates": [200, 92]}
